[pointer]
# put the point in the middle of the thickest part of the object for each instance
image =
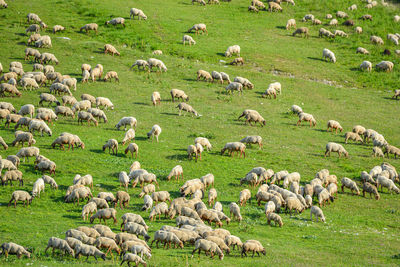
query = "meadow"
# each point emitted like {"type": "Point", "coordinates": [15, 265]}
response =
{"type": "Point", "coordinates": [359, 231]}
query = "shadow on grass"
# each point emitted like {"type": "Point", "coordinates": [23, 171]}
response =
{"type": "Point", "coordinates": [21, 34]}
{"type": "Point", "coordinates": [221, 54]}
{"type": "Point", "coordinates": [177, 157]}
{"type": "Point", "coordinates": [70, 216]}
{"type": "Point", "coordinates": [141, 103]}
{"type": "Point", "coordinates": [99, 51]}
{"type": "Point", "coordinates": [354, 69]}
{"type": "Point", "coordinates": [281, 27]}
{"type": "Point", "coordinates": [316, 58]}
{"type": "Point", "coordinates": [170, 114]}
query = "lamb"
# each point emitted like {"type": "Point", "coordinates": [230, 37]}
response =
{"type": "Point", "coordinates": [188, 39]}
{"type": "Point", "coordinates": [156, 63]}
{"type": "Point", "coordinates": [234, 210]}
{"type": "Point", "coordinates": [234, 49]}
{"type": "Point", "coordinates": [348, 183]}
{"type": "Point", "coordinates": [89, 27]}
{"type": "Point", "coordinates": [86, 116]}
{"type": "Point", "coordinates": [306, 117]}
{"type": "Point", "coordinates": [334, 147]}
{"type": "Point", "coordinates": [131, 121]}
{"type": "Point", "coordinates": [19, 195]}
{"type": "Point", "coordinates": [12, 248]}
{"type": "Point", "coordinates": [137, 12]}
{"type": "Point", "coordinates": [302, 31]}
{"type": "Point", "coordinates": [133, 148]}
{"type": "Point", "coordinates": [291, 23]}
{"type": "Point", "coordinates": [208, 246]}
{"type": "Point", "coordinates": [44, 97]}
{"type": "Point", "coordinates": [252, 245]}
{"type": "Point", "coordinates": [386, 182]}
{"type": "Point", "coordinates": [235, 146]}
{"type": "Point", "coordinates": [366, 65]}
{"type": "Point", "coordinates": [371, 189]}
{"type": "Point", "coordinates": [188, 108]}
{"type": "Point", "coordinates": [385, 66]}
{"type": "Point", "coordinates": [234, 86]}
{"type": "Point", "coordinates": [317, 213]}
{"type": "Point", "coordinates": [159, 209]}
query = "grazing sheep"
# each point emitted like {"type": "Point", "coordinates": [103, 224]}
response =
{"type": "Point", "coordinates": [348, 183]}
{"type": "Point", "coordinates": [234, 210]}
{"type": "Point", "coordinates": [244, 196]}
{"type": "Point", "coordinates": [306, 117]}
{"type": "Point", "coordinates": [204, 74]}
{"type": "Point", "coordinates": [111, 74]}
{"type": "Point", "coordinates": [317, 213]}
{"type": "Point", "coordinates": [253, 139]}
{"type": "Point", "coordinates": [199, 28]}
{"type": "Point", "coordinates": [85, 76]}
{"type": "Point", "coordinates": [188, 39]}
{"type": "Point", "coordinates": [58, 28]}
{"type": "Point", "coordinates": [376, 40]}
{"type": "Point", "coordinates": [385, 66]}
{"type": "Point", "coordinates": [133, 148]}
{"type": "Point", "coordinates": [155, 131]}
{"type": "Point", "coordinates": [234, 86]}
{"type": "Point", "coordinates": [27, 152]}
{"type": "Point", "coordinates": [291, 23]}
{"type": "Point", "coordinates": [38, 187]}
{"type": "Point", "coordinates": [159, 209]}
{"type": "Point", "coordinates": [334, 147]}
{"type": "Point", "coordinates": [98, 113]}
{"type": "Point", "coordinates": [396, 93]}
{"type": "Point", "coordinates": [212, 196]}
{"type": "Point", "coordinates": [326, 33]}
{"type": "Point", "coordinates": [129, 257]}
{"type": "Point", "coordinates": [156, 98]}
{"type": "Point", "coordinates": [137, 229]}
{"type": "Point", "coordinates": [332, 124]}
{"type": "Point", "coordinates": [327, 54]}
{"type": "Point", "coordinates": [61, 244]}
{"type": "Point", "coordinates": [272, 6]}
{"type": "Point", "coordinates": [177, 171]}
{"type": "Point", "coordinates": [148, 202]}
{"type": "Point", "coordinates": [235, 146]}
{"type": "Point", "coordinates": [14, 160]}
{"type": "Point", "coordinates": [137, 12]}
{"type": "Point", "coordinates": [302, 31]}
{"type": "Point", "coordinates": [123, 198]}
{"type": "Point", "coordinates": [237, 61]}
{"type": "Point", "coordinates": [333, 22]}
{"type": "Point", "coordinates": [9, 88]}
{"type": "Point", "coordinates": [131, 121]}
{"type": "Point", "coordinates": [89, 27]}
{"type": "Point", "coordinates": [235, 49]}
{"type": "Point", "coordinates": [340, 33]}
{"type": "Point", "coordinates": [377, 152]}
{"type": "Point", "coordinates": [86, 116]}
{"type": "Point", "coordinates": [366, 65]}
{"type": "Point", "coordinates": [386, 182]}
{"type": "Point", "coordinates": [88, 250]}
{"type": "Point", "coordinates": [233, 241]}
{"type": "Point", "coordinates": [176, 93]}
{"type": "Point", "coordinates": [13, 175]}
{"type": "Point", "coordinates": [156, 63]}
{"type": "Point", "coordinates": [44, 97]}
{"type": "Point", "coordinates": [89, 209]}
{"type": "Point", "coordinates": [19, 195]}
{"type": "Point", "coordinates": [140, 64]}
{"type": "Point", "coordinates": [33, 28]}
{"type": "Point", "coordinates": [245, 82]}
{"type": "Point", "coordinates": [254, 246]}
{"type": "Point", "coordinates": [108, 213]}
{"type": "Point", "coordinates": [111, 144]}
{"type": "Point", "coordinates": [352, 136]}
{"type": "Point", "coordinates": [188, 108]}
{"type": "Point", "coordinates": [12, 248]}
{"type": "Point", "coordinates": [371, 189]}
{"type": "Point", "coordinates": [129, 135]}
{"type": "Point", "coordinates": [208, 247]}
{"type": "Point", "coordinates": [116, 21]}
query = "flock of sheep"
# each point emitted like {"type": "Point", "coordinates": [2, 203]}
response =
{"type": "Point", "coordinates": [190, 211]}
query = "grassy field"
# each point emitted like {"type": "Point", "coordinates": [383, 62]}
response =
{"type": "Point", "coordinates": [359, 231]}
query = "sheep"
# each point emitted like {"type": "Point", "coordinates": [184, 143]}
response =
{"type": "Point", "coordinates": [199, 28]}
{"type": "Point", "coordinates": [204, 74]}
{"type": "Point", "coordinates": [100, 203]}
{"type": "Point", "coordinates": [89, 27]}
{"type": "Point", "coordinates": [129, 135]}
{"type": "Point", "coordinates": [393, 38]}
{"type": "Point", "coordinates": [296, 109]}
{"type": "Point", "coordinates": [317, 213]}
{"type": "Point", "coordinates": [366, 65]}
{"type": "Point", "coordinates": [177, 171]}
{"type": "Point", "coordinates": [103, 101]}
{"type": "Point", "coordinates": [27, 152]}
{"type": "Point", "coordinates": [308, 17]}
{"type": "Point", "coordinates": [234, 49]}
{"type": "Point", "coordinates": [88, 250]}
{"type": "Point", "coordinates": [365, 177]}
{"type": "Point", "coordinates": [131, 217]}
{"type": "Point", "coordinates": [33, 28]}
{"type": "Point", "coordinates": [6, 164]}
{"type": "Point", "coordinates": [65, 111]}
{"type": "Point", "coordinates": [57, 243]}
{"type": "Point", "coordinates": [212, 196]}
{"type": "Point", "coordinates": [328, 54]}
{"type": "Point", "coordinates": [29, 82]}
{"type": "Point", "coordinates": [13, 175]}
{"type": "Point", "coordinates": [12, 248]}
{"type": "Point", "coordinates": [133, 148]}
{"type": "Point", "coordinates": [48, 57]}
{"type": "Point", "coordinates": [14, 160]}
{"type": "Point", "coordinates": [270, 92]}
{"type": "Point", "coordinates": [269, 207]}
{"type": "Point", "coordinates": [348, 183]}
{"type": "Point", "coordinates": [123, 198]}
{"type": "Point", "coordinates": [258, 4]}
{"type": "Point", "coordinates": [116, 21]}
{"type": "Point", "coordinates": [358, 30]}
{"type": "Point", "coordinates": [208, 246]}
{"type": "Point", "coordinates": [45, 97]}
{"type": "Point", "coordinates": [43, 25]}
{"type": "Point", "coordinates": [9, 88]}
{"type": "Point", "coordinates": [235, 146]}
{"type": "Point", "coordinates": [111, 144]}
{"type": "Point", "coordinates": [201, 2]}
{"type": "Point", "coordinates": [377, 152]}
{"type": "Point", "coordinates": [332, 124]}
{"type": "Point", "coordinates": [4, 113]}
{"type": "Point", "coordinates": [302, 31]}
{"type": "Point", "coordinates": [70, 82]}
{"type": "Point", "coordinates": [176, 93]}
{"type": "Point", "coordinates": [237, 61]}
{"type": "Point", "coordinates": [44, 41]}
{"type": "Point", "coordinates": [156, 98]}
{"type": "Point", "coordinates": [386, 182]}
{"type": "Point", "coordinates": [137, 229]}
{"type": "Point", "coordinates": [107, 213]}
{"type": "Point", "coordinates": [291, 23]}
{"type": "Point", "coordinates": [376, 40]}
{"type": "Point", "coordinates": [159, 209]}
{"type": "Point", "coordinates": [12, 118]}
{"type": "Point", "coordinates": [272, 6]}
{"type": "Point", "coordinates": [32, 52]}
{"type": "Point", "coordinates": [77, 141]}
{"type": "Point", "coordinates": [48, 68]}
{"type": "Point", "coordinates": [207, 180]}
{"type": "Point", "coordinates": [252, 245]}
{"type": "Point", "coordinates": [234, 86]}
{"type": "Point", "coordinates": [396, 94]}
{"type": "Point", "coordinates": [306, 117]}
{"type": "Point", "coordinates": [137, 12]}
{"type": "Point", "coordinates": [58, 28]}
{"type": "Point", "coordinates": [340, 33]}
{"type": "Point", "coordinates": [161, 196]}
{"type": "Point", "coordinates": [155, 131]}
{"type": "Point", "coordinates": [234, 210]}
{"type": "Point", "coordinates": [38, 186]}
{"type": "Point", "coordinates": [156, 63]}
{"type": "Point", "coordinates": [245, 82]}
{"type": "Point", "coordinates": [352, 136]}
{"type": "Point", "coordinates": [131, 121]}
{"type": "Point", "coordinates": [7, 76]}
{"type": "Point", "coordinates": [46, 166]}
{"type": "Point", "coordinates": [384, 66]}
{"type": "Point", "coordinates": [19, 195]}
{"type": "Point", "coordinates": [371, 189]}
{"type": "Point", "coordinates": [129, 257]}
{"type": "Point", "coordinates": [188, 39]}
{"type": "Point", "coordinates": [188, 108]}
{"type": "Point", "coordinates": [244, 196]}
{"type": "Point", "coordinates": [140, 63]}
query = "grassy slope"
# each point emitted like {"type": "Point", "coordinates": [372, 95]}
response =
{"type": "Point", "coordinates": [265, 47]}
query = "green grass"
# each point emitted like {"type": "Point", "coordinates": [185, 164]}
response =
{"type": "Point", "coordinates": [359, 231]}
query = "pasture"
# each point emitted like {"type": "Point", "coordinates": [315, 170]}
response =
{"type": "Point", "coordinates": [359, 231]}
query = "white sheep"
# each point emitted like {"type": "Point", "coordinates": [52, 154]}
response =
{"type": "Point", "coordinates": [188, 39]}
{"type": "Point", "coordinates": [156, 63]}
{"type": "Point", "coordinates": [234, 49]}
{"type": "Point", "coordinates": [177, 171]}
{"type": "Point", "coordinates": [131, 121]}
{"type": "Point", "coordinates": [156, 98]}
{"type": "Point", "coordinates": [366, 65]}
{"type": "Point", "coordinates": [334, 147]}
{"type": "Point", "coordinates": [291, 23]}
{"type": "Point", "coordinates": [328, 54]}
{"type": "Point", "coordinates": [137, 12]}
{"type": "Point", "coordinates": [154, 132]}
{"type": "Point", "coordinates": [317, 213]}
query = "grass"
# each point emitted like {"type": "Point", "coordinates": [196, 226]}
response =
{"type": "Point", "coordinates": [359, 231]}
